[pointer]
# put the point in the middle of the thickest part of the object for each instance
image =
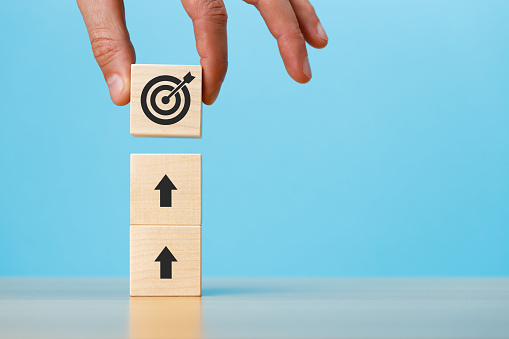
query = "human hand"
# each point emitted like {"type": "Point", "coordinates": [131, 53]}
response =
{"type": "Point", "coordinates": [291, 22]}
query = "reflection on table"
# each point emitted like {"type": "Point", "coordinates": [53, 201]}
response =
{"type": "Point", "coordinates": [165, 317]}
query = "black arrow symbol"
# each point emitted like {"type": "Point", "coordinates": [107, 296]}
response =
{"type": "Point", "coordinates": [165, 187]}
{"type": "Point", "coordinates": [187, 80]}
{"type": "Point", "coordinates": [166, 258]}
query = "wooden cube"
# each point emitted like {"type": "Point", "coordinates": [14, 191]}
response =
{"type": "Point", "coordinates": [166, 189]}
{"type": "Point", "coordinates": [165, 317]}
{"type": "Point", "coordinates": [165, 260]}
{"type": "Point", "coordinates": [166, 101]}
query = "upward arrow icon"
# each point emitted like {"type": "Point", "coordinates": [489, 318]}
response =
{"type": "Point", "coordinates": [165, 187]}
{"type": "Point", "coordinates": [166, 258]}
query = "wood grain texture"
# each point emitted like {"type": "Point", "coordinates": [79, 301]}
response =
{"type": "Point", "coordinates": [184, 171]}
{"type": "Point", "coordinates": [189, 126]}
{"type": "Point", "coordinates": [147, 242]}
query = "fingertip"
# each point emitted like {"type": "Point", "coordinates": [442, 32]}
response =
{"type": "Point", "coordinates": [214, 72]}
{"type": "Point", "coordinates": [318, 44]}
{"type": "Point", "coordinates": [321, 32]}
{"type": "Point", "coordinates": [322, 39]}
{"type": "Point", "coordinates": [301, 76]}
{"type": "Point", "coordinates": [209, 97]}
{"type": "Point", "coordinates": [208, 100]}
{"type": "Point", "coordinates": [306, 68]}
{"type": "Point", "coordinates": [301, 73]}
{"type": "Point", "coordinates": [315, 35]}
{"type": "Point", "coordinates": [119, 88]}
{"type": "Point", "coordinates": [295, 58]}
{"type": "Point", "coordinates": [321, 45]}
{"type": "Point", "coordinates": [301, 79]}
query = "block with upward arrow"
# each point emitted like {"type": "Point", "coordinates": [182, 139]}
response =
{"type": "Point", "coordinates": [165, 260]}
{"type": "Point", "coordinates": [166, 189]}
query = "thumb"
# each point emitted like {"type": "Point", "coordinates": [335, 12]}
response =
{"type": "Point", "coordinates": [111, 44]}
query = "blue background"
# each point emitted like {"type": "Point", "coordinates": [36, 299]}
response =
{"type": "Point", "coordinates": [393, 161]}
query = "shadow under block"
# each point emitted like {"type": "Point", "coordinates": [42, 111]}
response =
{"type": "Point", "coordinates": [166, 189]}
{"type": "Point", "coordinates": [165, 260]}
{"type": "Point", "coordinates": [160, 106]}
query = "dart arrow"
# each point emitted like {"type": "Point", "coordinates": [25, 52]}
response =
{"type": "Point", "coordinates": [165, 187]}
{"type": "Point", "coordinates": [166, 258]}
{"type": "Point", "coordinates": [187, 79]}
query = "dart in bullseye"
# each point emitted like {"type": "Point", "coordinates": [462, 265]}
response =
{"type": "Point", "coordinates": [187, 79]}
{"type": "Point", "coordinates": [166, 99]}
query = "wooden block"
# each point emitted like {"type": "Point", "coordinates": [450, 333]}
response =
{"type": "Point", "coordinates": [166, 189]}
{"type": "Point", "coordinates": [166, 101]}
{"type": "Point", "coordinates": [165, 317]}
{"type": "Point", "coordinates": [165, 260]}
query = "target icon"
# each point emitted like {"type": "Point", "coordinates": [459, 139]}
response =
{"type": "Point", "coordinates": [165, 99]}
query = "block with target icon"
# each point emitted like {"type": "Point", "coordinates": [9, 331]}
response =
{"type": "Point", "coordinates": [165, 260]}
{"type": "Point", "coordinates": [166, 101]}
{"type": "Point", "coordinates": [166, 189]}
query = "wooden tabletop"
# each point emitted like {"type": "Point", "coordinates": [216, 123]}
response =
{"type": "Point", "coordinates": [258, 308]}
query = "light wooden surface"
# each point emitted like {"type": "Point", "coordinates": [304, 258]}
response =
{"type": "Point", "coordinates": [260, 308]}
{"type": "Point", "coordinates": [190, 125]}
{"type": "Point", "coordinates": [184, 171]}
{"type": "Point", "coordinates": [165, 317]}
{"type": "Point", "coordinates": [147, 242]}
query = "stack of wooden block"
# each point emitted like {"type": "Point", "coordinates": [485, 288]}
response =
{"type": "Point", "coordinates": [166, 188]}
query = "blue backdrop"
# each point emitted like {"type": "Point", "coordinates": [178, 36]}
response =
{"type": "Point", "coordinates": [393, 161]}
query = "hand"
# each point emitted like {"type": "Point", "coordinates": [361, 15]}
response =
{"type": "Point", "coordinates": [291, 22]}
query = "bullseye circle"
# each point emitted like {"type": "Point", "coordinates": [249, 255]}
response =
{"type": "Point", "coordinates": [154, 103]}
{"type": "Point", "coordinates": [155, 100]}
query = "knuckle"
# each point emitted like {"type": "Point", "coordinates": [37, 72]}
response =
{"type": "Point", "coordinates": [213, 10]}
{"type": "Point", "coordinates": [291, 35]}
{"type": "Point", "coordinates": [217, 62]}
{"type": "Point", "coordinates": [105, 49]}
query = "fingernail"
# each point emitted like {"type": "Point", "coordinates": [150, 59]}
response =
{"type": "Point", "coordinates": [321, 31]}
{"type": "Point", "coordinates": [307, 68]}
{"type": "Point", "coordinates": [115, 85]}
